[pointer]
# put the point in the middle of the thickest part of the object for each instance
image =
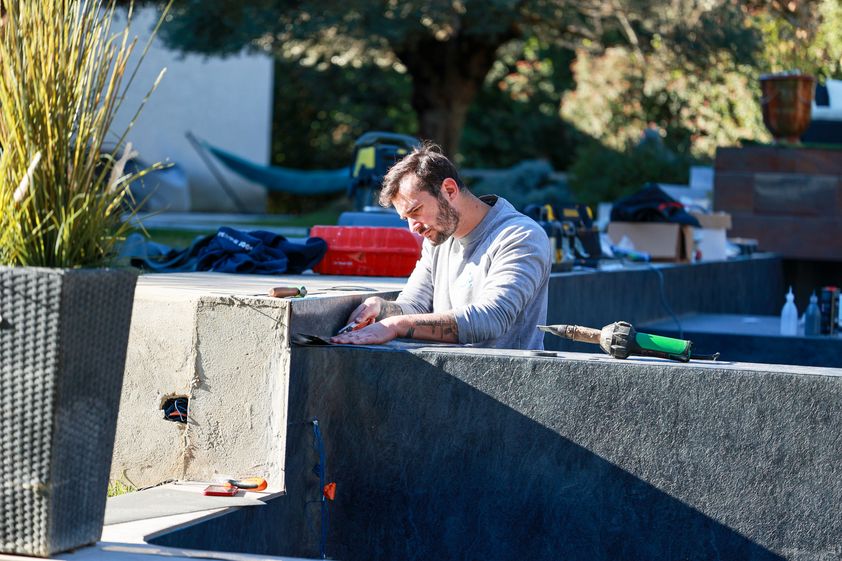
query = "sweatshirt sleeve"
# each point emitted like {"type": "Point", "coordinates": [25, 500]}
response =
{"type": "Point", "coordinates": [417, 296]}
{"type": "Point", "coordinates": [518, 268]}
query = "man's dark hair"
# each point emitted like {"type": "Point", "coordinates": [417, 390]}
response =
{"type": "Point", "coordinates": [425, 162]}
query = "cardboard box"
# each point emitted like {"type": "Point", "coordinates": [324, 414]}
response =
{"type": "Point", "coordinates": [663, 241]}
{"type": "Point", "coordinates": [711, 240]}
{"type": "Point", "coordinates": [714, 221]}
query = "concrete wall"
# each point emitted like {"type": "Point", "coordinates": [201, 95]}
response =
{"type": "Point", "coordinates": [230, 357]}
{"type": "Point", "coordinates": [212, 338]}
{"type": "Point", "coordinates": [461, 454]}
{"type": "Point", "coordinates": [458, 453]}
{"type": "Point", "coordinates": [748, 286]}
{"type": "Point", "coordinates": [228, 102]}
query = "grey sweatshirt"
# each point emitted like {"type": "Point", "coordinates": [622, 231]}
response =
{"type": "Point", "coordinates": [494, 280]}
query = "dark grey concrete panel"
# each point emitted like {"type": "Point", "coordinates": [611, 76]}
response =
{"type": "Point", "coordinates": [459, 454]}
{"type": "Point", "coordinates": [747, 286]}
{"type": "Point", "coordinates": [752, 342]}
{"type": "Point", "coordinates": [324, 317]}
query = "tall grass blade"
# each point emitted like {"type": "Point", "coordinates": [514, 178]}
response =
{"type": "Point", "coordinates": [62, 82]}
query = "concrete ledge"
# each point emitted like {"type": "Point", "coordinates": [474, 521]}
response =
{"type": "Point", "coordinates": [752, 338]}
{"type": "Point", "coordinates": [216, 339]}
{"type": "Point", "coordinates": [457, 453]}
{"type": "Point", "coordinates": [752, 285]}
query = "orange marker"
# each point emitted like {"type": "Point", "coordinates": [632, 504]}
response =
{"type": "Point", "coordinates": [329, 491]}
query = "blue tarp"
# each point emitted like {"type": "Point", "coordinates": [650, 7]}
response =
{"type": "Point", "coordinates": [228, 251]}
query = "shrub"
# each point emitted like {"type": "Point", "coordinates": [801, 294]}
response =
{"type": "Point", "coordinates": [601, 174]}
{"type": "Point", "coordinates": [63, 77]}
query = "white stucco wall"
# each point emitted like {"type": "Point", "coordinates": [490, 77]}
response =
{"type": "Point", "coordinates": [227, 102]}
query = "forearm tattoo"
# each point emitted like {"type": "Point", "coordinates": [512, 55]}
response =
{"type": "Point", "coordinates": [389, 309]}
{"type": "Point", "coordinates": [440, 329]}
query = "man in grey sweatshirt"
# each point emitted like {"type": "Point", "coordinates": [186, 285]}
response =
{"type": "Point", "coordinates": [484, 268]}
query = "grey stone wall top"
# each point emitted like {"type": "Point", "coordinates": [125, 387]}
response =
{"type": "Point", "coordinates": [559, 357]}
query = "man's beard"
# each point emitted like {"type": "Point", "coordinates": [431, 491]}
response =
{"type": "Point", "coordinates": [447, 222]}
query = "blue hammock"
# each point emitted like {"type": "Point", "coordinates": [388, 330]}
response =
{"type": "Point", "coordinates": [284, 180]}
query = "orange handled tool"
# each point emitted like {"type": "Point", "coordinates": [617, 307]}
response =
{"type": "Point", "coordinates": [288, 292]}
{"type": "Point", "coordinates": [249, 483]}
{"type": "Point", "coordinates": [230, 487]}
{"type": "Point", "coordinates": [353, 326]}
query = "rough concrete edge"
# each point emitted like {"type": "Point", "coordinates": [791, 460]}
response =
{"type": "Point", "coordinates": [280, 360]}
{"type": "Point", "coordinates": [283, 355]}
{"type": "Point", "coordinates": [422, 348]}
{"type": "Point", "coordinates": [195, 380]}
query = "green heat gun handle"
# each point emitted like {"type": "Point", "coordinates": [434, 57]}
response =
{"type": "Point", "coordinates": [662, 347]}
{"type": "Point", "coordinates": [620, 340]}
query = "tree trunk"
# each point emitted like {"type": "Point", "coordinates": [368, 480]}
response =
{"type": "Point", "coordinates": [446, 77]}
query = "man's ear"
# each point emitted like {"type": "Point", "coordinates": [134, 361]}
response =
{"type": "Point", "coordinates": [449, 188]}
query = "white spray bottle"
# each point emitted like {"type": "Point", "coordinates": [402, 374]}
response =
{"type": "Point", "coordinates": [789, 315]}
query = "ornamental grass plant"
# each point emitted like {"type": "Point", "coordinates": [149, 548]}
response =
{"type": "Point", "coordinates": [64, 73]}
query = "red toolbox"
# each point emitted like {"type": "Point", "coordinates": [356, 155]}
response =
{"type": "Point", "coordinates": [368, 251]}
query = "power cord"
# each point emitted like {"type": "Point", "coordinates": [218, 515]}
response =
{"type": "Point", "coordinates": [664, 302]}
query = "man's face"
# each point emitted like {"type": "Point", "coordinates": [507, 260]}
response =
{"type": "Point", "coordinates": [431, 217]}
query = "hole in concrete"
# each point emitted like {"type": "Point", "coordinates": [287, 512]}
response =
{"type": "Point", "coordinates": [175, 409]}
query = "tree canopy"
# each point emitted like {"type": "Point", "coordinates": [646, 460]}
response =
{"type": "Point", "coordinates": [448, 47]}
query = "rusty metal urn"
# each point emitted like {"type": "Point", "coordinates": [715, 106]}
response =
{"type": "Point", "coordinates": [787, 104]}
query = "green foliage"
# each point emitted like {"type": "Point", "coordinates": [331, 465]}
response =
{"type": "Point", "coordinates": [528, 182]}
{"type": "Point", "coordinates": [320, 109]}
{"type": "Point", "coordinates": [447, 49]}
{"type": "Point", "coordinates": [687, 68]}
{"type": "Point", "coordinates": [62, 82]}
{"type": "Point", "coordinates": [369, 31]}
{"type": "Point", "coordinates": [117, 488]}
{"type": "Point", "coordinates": [620, 94]}
{"type": "Point", "coordinates": [695, 105]}
{"type": "Point", "coordinates": [808, 38]}
{"type": "Point", "coordinates": [601, 174]}
{"type": "Point", "coordinates": [515, 116]}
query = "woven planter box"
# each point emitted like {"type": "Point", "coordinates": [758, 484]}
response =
{"type": "Point", "coordinates": [63, 337]}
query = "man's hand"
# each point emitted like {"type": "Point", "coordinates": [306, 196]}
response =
{"type": "Point", "coordinates": [374, 334]}
{"type": "Point", "coordinates": [429, 327]}
{"type": "Point", "coordinates": [366, 312]}
{"type": "Point", "coordinates": [374, 309]}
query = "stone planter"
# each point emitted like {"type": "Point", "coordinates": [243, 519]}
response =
{"type": "Point", "coordinates": [787, 104]}
{"type": "Point", "coordinates": [63, 337]}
